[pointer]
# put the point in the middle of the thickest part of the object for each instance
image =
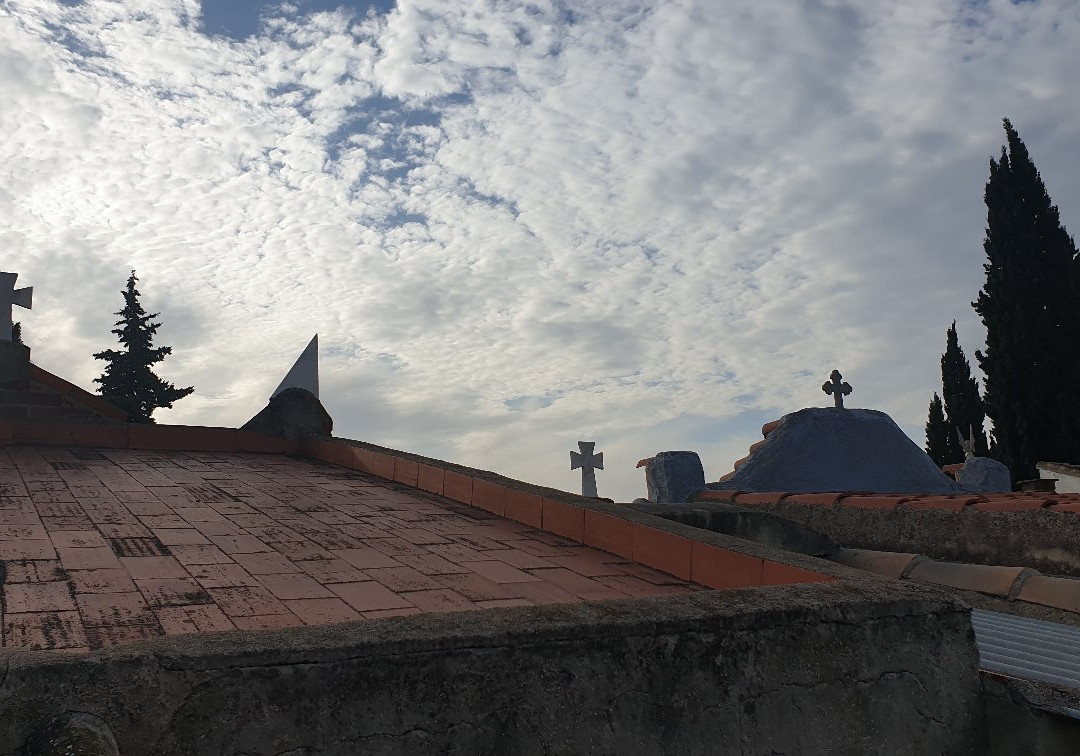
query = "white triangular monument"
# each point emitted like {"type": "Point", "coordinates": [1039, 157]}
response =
{"type": "Point", "coordinates": [305, 371]}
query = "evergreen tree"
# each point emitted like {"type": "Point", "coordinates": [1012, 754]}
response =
{"type": "Point", "coordinates": [1030, 305]}
{"type": "Point", "coordinates": [941, 442]}
{"type": "Point", "coordinates": [960, 392]}
{"type": "Point", "coordinates": [128, 380]}
{"type": "Point", "coordinates": [16, 333]}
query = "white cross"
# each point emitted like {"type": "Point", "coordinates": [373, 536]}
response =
{"type": "Point", "coordinates": [586, 460]}
{"type": "Point", "coordinates": [10, 296]}
{"type": "Point", "coordinates": [836, 388]}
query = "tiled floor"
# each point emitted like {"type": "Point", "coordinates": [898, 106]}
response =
{"type": "Point", "coordinates": [100, 547]}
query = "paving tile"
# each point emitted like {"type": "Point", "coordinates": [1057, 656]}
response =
{"type": "Point", "coordinates": [199, 554]}
{"type": "Point", "coordinates": [432, 564]}
{"type": "Point", "coordinates": [179, 536]}
{"type": "Point", "coordinates": [402, 579]}
{"type": "Point", "coordinates": [301, 551]}
{"type": "Point", "coordinates": [267, 622]}
{"type": "Point", "coordinates": [543, 592]}
{"type": "Point", "coordinates": [265, 564]}
{"type": "Point", "coordinates": [20, 598]}
{"type": "Point", "coordinates": [589, 563]}
{"type": "Point", "coordinates": [211, 528]}
{"type": "Point", "coordinates": [292, 586]}
{"type": "Point", "coordinates": [145, 568]}
{"type": "Point", "coordinates": [222, 576]}
{"type": "Point", "coordinates": [365, 558]}
{"type": "Point", "coordinates": [442, 600]}
{"type": "Point", "coordinates": [322, 611]}
{"type": "Point", "coordinates": [87, 558]}
{"type": "Point", "coordinates": [579, 585]}
{"type": "Point", "coordinates": [34, 571]}
{"type": "Point", "coordinates": [239, 544]}
{"type": "Point", "coordinates": [387, 613]}
{"type": "Point", "coordinates": [147, 508]}
{"type": "Point", "coordinates": [135, 547]}
{"type": "Point", "coordinates": [501, 572]}
{"type": "Point", "coordinates": [246, 601]}
{"type": "Point", "coordinates": [106, 636]}
{"type": "Point", "coordinates": [634, 586]}
{"type": "Point", "coordinates": [478, 588]}
{"type": "Point", "coordinates": [332, 571]}
{"type": "Point", "coordinates": [79, 522]}
{"type": "Point", "coordinates": [124, 530]}
{"type": "Point", "coordinates": [35, 531]}
{"type": "Point", "coordinates": [44, 630]}
{"type": "Point", "coordinates": [114, 609]}
{"type": "Point", "coordinates": [102, 581]}
{"type": "Point", "coordinates": [160, 592]}
{"type": "Point", "coordinates": [169, 520]}
{"type": "Point", "coordinates": [77, 539]}
{"type": "Point", "coordinates": [369, 596]}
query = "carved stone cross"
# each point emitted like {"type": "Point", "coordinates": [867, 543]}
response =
{"type": "Point", "coordinates": [10, 296]}
{"type": "Point", "coordinates": [587, 461]}
{"type": "Point", "coordinates": [837, 388]}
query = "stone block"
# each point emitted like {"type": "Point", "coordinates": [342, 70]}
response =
{"type": "Point", "coordinates": [674, 476]}
{"type": "Point", "coordinates": [985, 475]}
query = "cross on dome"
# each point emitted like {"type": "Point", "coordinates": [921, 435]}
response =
{"type": "Point", "coordinates": [837, 388]}
{"type": "Point", "coordinates": [9, 297]}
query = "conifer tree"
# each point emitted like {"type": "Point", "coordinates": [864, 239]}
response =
{"type": "Point", "coordinates": [960, 393]}
{"type": "Point", "coordinates": [128, 380]}
{"type": "Point", "coordinates": [16, 333]}
{"type": "Point", "coordinates": [1030, 305]}
{"type": "Point", "coordinates": [941, 442]}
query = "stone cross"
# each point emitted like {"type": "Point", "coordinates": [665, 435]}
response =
{"type": "Point", "coordinates": [586, 460]}
{"type": "Point", "coordinates": [836, 388]}
{"type": "Point", "coordinates": [10, 296]}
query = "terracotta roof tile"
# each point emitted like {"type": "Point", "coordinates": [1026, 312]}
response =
{"type": "Point", "coordinates": [1001, 504]}
{"type": "Point", "coordinates": [952, 503]}
{"type": "Point", "coordinates": [1060, 593]}
{"type": "Point", "coordinates": [997, 581]}
{"type": "Point", "coordinates": [887, 563]}
{"type": "Point", "coordinates": [882, 501]}
{"type": "Point", "coordinates": [749, 499]}
{"type": "Point", "coordinates": [819, 499]}
{"type": "Point", "coordinates": [769, 427]}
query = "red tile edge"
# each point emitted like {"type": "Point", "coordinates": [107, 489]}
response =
{"type": "Point", "coordinates": [564, 519]}
{"type": "Point", "coordinates": [775, 573]}
{"type": "Point", "coordinates": [458, 487]}
{"type": "Point", "coordinates": [524, 507]}
{"type": "Point", "coordinates": [719, 568]}
{"type": "Point", "coordinates": [609, 533]}
{"type": "Point", "coordinates": [491, 497]}
{"type": "Point", "coordinates": [664, 551]}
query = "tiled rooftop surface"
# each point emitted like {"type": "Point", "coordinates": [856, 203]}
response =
{"type": "Point", "coordinates": [1065, 503]}
{"type": "Point", "coordinates": [99, 547]}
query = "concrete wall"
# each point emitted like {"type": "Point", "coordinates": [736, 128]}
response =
{"type": "Point", "coordinates": [1043, 540]}
{"type": "Point", "coordinates": [1066, 482]}
{"type": "Point", "coordinates": [852, 666]}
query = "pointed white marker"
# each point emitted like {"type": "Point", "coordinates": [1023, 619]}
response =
{"type": "Point", "coordinates": [305, 371]}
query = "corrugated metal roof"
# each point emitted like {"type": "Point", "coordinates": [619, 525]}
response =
{"type": "Point", "coordinates": [1029, 649]}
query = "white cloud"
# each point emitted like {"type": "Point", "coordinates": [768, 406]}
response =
{"type": "Point", "coordinates": [652, 224]}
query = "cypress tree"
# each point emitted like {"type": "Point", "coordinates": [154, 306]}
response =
{"type": "Point", "coordinates": [16, 333]}
{"type": "Point", "coordinates": [1030, 305]}
{"type": "Point", "coordinates": [128, 380]}
{"type": "Point", "coordinates": [960, 393]}
{"type": "Point", "coordinates": [941, 442]}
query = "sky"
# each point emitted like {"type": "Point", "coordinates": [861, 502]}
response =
{"type": "Point", "coordinates": [652, 224]}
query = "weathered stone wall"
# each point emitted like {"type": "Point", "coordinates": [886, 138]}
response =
{"type": "Point", "coordinates": [853, 666]}
{"type": "Point", "coordinates": [1043, 540]}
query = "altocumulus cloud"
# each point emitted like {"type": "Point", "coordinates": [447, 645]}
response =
{"type": "Point", "coordinates": [518, 224]}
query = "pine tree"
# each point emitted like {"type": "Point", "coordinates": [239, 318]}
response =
{"type": "Point", "coordinates": [128, 380]}
{"type": "Point", "coordinates": [941, 442]}
{"type": "Point", "coordinates": [16, 333]}
{"type": "Point", "coordinates": [1030, 305]}
{"type": "Point", "coordinates": [960, 393]}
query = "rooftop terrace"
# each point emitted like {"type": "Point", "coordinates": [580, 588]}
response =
{"type": "Point", "coordinates": [100, 547]}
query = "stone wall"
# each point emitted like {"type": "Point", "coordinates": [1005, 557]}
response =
{"type": "Point", "coordinates": [1043, 540]}
{"type": "Point", "coordinates": [851, 666]}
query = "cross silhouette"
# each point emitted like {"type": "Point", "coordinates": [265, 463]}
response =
{"type": "Point", "coordinates": [10, 296]}
{"type": "Point", "coordinates": [586, 460]}
{"type": "Point", "coordinates": [836, 388]}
